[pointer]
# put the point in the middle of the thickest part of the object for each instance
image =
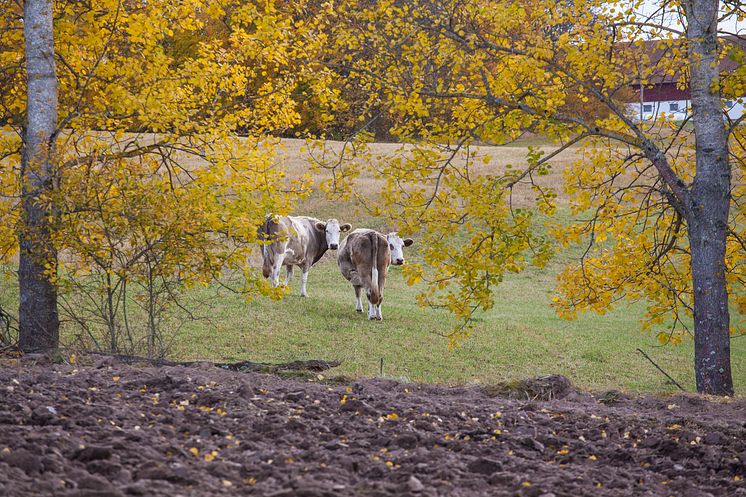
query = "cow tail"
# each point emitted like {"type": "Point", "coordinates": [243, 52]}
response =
{"type": "Point", "coordinates": [375, 292]}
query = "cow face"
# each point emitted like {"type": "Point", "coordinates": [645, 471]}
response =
{"type": "Point", "coordinates": [396, 245]}
{"type": "Point", "coordinates": [332, 229]}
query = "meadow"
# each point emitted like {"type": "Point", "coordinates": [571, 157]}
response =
{"type": "Point", "coordinates": [520, 337]}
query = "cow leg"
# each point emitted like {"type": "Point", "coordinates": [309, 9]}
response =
{"type": "Point", "coordinates": [372, 311]}
{"type": "Point", "coordinates": [381, 284]}
{"type": "Point", "coordinates": [358, 301]}
{"type": "Point", "coordinates": [289, 276]}
{"type": "Point", "coordinates": [303, 281]}
{"type": "Point", "coordinates": [274, 277]}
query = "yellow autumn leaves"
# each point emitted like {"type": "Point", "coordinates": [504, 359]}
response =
{"type": "Point", "coordinates": [454, 74]}
{"type": "Point", "coordinates": [155, 191]}
{"type": "Point", "coordinates": [154, 182]}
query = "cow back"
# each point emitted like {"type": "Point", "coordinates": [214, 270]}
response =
{"type": "Point", "coordinates": [311, 241]}
{"type": "Point", "coordinates": [366, 251]}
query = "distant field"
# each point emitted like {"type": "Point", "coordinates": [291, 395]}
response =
{"type": "Point", "coordinates": [520, 337]}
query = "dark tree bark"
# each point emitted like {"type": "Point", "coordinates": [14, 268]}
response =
{"type": "Point", "coordinates": [709, 205]}
{"type": "Point", "coordinates": [38, 319]}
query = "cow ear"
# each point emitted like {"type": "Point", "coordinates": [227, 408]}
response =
{"type": "Point", "coordinates": [346, 227]}
{"type": "Point", "coordinates": [408, 242]}
{"type": "Point", "coordinates": [321, 226]}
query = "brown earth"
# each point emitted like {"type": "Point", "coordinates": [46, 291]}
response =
{"type": "Point", "coordinates": [110, 429]}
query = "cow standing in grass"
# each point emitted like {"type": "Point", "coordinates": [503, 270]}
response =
{"type": "Point", "coordinates": [296, 241]}
{"type": "Point", "coordinates": [364, 258]}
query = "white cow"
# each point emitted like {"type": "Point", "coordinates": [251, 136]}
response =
{"type": "Point", "coordinates": [364, 258]}
{"type": "Point", "coordinates": [296, 240]}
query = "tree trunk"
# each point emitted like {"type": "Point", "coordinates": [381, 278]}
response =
{"type": "Point", "coordinates": [38, 320]}
{"type": "Point", "coordinates": [710, 202]}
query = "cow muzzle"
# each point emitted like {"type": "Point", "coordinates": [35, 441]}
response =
{"type": "Point", "coordinates": [333, 246]}
{"type": "Point", "coordinates": [398, 262]}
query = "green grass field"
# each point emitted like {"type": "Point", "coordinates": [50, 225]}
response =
{"type": "Point", "coordinates": [520, 337]}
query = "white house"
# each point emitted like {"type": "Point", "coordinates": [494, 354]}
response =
{"type": "Point", "coordinates": [675, 103]}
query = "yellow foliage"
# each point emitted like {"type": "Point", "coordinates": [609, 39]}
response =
{"type": "Point", "coordinates": [480, 71]}
{"type": "Point", "coordinates": [153, 182]}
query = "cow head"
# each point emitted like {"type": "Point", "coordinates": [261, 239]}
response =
{"type": "Point", "coordinates": [396, 245]}
{"type": "Point", "coordinates": [331, 229]}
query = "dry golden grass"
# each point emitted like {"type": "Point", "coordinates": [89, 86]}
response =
{"type": "Point", "coordinates": [296, 157]}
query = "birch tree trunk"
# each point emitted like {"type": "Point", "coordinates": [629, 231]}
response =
{"type": "Point", "coordinates": [38, 319]}
{"type": "Point", "coordinates": [710, 202]}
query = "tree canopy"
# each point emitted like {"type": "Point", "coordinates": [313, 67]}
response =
{"type": "Point", "coordinates": [152, 188]}
{"type": "Point", "coordinates": [165, 152]}
{"type": "Point", "coordinates": [451, 74]}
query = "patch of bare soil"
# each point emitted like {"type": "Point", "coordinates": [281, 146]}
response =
{"type": "Point", "coordinates": [111, 429]}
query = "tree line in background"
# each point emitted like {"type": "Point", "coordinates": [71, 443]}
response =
{"type": "Point", "coordinates": [141, 189]}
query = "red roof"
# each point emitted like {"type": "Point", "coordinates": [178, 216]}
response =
{"type": "Point", "coordinates": [669, 79]}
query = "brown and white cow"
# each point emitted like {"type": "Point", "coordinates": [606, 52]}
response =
{"type": "Point", "coordinates": [364, 258]}
{"type": "Point", "coordinates": [299, 241]}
